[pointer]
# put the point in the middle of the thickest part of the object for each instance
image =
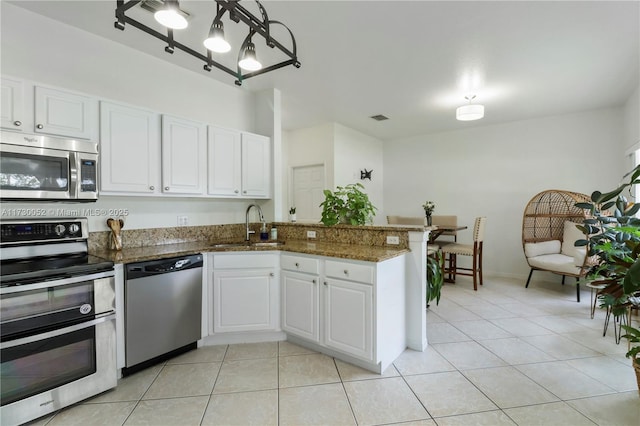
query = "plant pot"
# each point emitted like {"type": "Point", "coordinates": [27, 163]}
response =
{"type": "Point", "coordinates": [292, 217]}
{"type": "Point", "coordinates": [636, 367]}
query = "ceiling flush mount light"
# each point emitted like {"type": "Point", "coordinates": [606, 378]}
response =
{"type": "Point", "coordinates": [168, 13]}
{"type": "Point", "coordinates": [470, 111]}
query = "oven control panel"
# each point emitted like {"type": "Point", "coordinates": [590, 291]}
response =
{"type": "Point", "coordinates": [28, 231]}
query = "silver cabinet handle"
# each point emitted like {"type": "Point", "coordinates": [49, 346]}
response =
{"type": "Point", "coordinates": [313, 281]}
{"type": "Point", "coordinates": [271, 274]}
{"type": "Point", "coordinates": [17, 123]}
{"type": "Point", "coordinates": [236, 191]}
{"type": "Point", "coordinates": [244, 192]}
{"type": "Point", "coordinates": [166, 188]}
{"type": "Point", "coordinates": [40, 126]}
{"type": "Point", "coordinates": [325, 283]}
{"type": "Point", "coordinates": [152, 187]}
{"type": "Point", "coordinates": [346, 272]}
{"type": "Point", "coordinates": [297, 265]}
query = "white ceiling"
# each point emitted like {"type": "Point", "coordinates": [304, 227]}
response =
{"type": "Point", "coordinates": [414, 61]}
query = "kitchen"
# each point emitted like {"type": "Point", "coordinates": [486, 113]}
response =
{"type": "Point", "coordinates": [394, 164]}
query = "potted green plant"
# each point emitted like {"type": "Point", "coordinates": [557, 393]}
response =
{"type": "Point", "coordinates": [614, 242]}
{"type": "Point", "coordinates": [348, 204]}
{"type": "Point", "coordinates": [292, 214]}
{"type": "Point", "coordinates": [435, 277]}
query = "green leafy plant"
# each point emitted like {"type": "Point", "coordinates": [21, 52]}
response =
{"type": "Point", "coordinates": [435, 277]}
{"type": "Point", "coordinates": [614, 241]}
{"type": "Point", "coordinates": [292, 210]}
{"type": "Point", "coordinates": [348, 204]}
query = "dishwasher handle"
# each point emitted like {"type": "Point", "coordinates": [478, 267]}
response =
{"type": "Point", "coordinates": [163, 266]}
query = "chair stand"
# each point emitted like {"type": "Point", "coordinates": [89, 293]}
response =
{"type": "Point", "coordinates": [577, 285]}
{"type": "Point", "coordinates": [529, 279]}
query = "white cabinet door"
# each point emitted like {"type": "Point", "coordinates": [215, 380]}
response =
{"type": "Point", "coordinates": [300, 305]}
{"type": "Point", "coordinates": [65, 114]}
{"type": "Point", "coordinates": [129, 149]}
{"type": "Point", "coordinates": [256, 166]}
{"type": "Point", "coordinates": [243, 300]}
{"type": "Point", "coordinates": [12, 113]}
{"type": "Point", "coordinates": [184, 161]}
{"type": "Point", "coordinates": [348, 321]}
{"type": "Point", "coordinates": [224, 162]}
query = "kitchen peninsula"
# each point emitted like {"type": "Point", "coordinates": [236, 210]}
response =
{"type": "Point", "coordinates": [346, 293]}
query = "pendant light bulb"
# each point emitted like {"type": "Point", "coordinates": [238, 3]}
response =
{"type": "Point", "coordinates": [170, 16]}
{"type": "Point", "coordinates": [216, 42]}
{"type": "Point", "coordinates": [249, 61]}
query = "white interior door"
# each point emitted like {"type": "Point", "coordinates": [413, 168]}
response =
{"type": "Point", "coordinates": [308, 184]}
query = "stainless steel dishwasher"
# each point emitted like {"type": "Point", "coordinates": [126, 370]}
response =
{"type": "Point", "coordinates": [163, 309]}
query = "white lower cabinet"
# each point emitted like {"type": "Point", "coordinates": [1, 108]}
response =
{"type": "Point", "coordinates": [348, 325]}
{"type": "Point", "coordinates": [244, 293]}
{"type": "Point", "coordinates": [301, 304]}
{"type": "Point", "coordinates": [330, 302]}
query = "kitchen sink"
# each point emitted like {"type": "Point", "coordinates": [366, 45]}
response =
{"type": "Point", "coordinates": [268, 244]}
{"type": "Point", "coordinates": [247, 244]}
{"type": "Point", "coordinates": [230, 245]}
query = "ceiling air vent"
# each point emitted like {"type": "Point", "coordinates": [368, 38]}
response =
{"type": "Point", "coordinates": [379, 117]}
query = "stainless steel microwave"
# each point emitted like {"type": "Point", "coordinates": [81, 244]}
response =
{"type": "Point", "coordinates": [41, 168]}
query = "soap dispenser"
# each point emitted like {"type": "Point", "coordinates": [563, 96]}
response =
{"type": "Point", "coordinates": [264, 235]}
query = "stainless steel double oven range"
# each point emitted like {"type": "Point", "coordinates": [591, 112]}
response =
{"type": "Point", "coordinates": [57, 318]}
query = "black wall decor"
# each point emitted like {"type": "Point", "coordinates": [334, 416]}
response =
{"type": "Point", "coordinates": [365, 174]}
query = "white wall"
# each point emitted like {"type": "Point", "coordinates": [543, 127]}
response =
{"type": "Point", "coordinates": [355, 151]}
{"type": "Point", "coordinates": [495, 170]}
{"type": "Point", "coordinates": [344, 152]}
{"type": "Point", "coordinates": [51, 53]}
{"type": "Point", "coordinates": [308, 146]}
{"type": "Point", "coordinates": [632, 119]}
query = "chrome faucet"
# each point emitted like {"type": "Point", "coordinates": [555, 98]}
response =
{"type": "Point", "coordinates": [247, 220]}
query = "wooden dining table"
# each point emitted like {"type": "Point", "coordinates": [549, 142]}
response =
{"type": "Point", "coordinates": [437, 230]}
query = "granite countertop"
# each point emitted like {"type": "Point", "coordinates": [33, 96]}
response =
{"type": "Point", "coordinates": [345, 251]}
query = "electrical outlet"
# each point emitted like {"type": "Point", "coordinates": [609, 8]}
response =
{"type": "Point", "coordinates": [183, 220]}
{"type": "Point", "coordinates": [393, 239]}
{"type": "Point", "coordinates": [311, 234]}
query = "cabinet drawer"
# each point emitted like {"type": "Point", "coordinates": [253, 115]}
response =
{"type": "Point", "coordinates": [243, 261]}
{"type": "Point", "coordinates": [349, 271]}
{"type": "Point", "coordinates": [300, 264]}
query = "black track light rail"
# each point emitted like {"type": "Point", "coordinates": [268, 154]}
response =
{"type": "Point", "coordinates": [236, 13]}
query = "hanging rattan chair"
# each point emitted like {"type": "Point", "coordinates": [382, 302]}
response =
{"type": "Point", "coordinates": [543, 234]}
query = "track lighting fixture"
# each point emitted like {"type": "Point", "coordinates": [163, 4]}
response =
{"type": "Point", "coordinates": [168, 13]}
{"type": "Point", "coordinates": [170, 17]}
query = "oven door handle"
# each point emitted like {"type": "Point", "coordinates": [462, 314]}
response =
{"type": "Point", "coordinates": [57, 332]}
{"type": "Point", "coordinates": [55, 283]}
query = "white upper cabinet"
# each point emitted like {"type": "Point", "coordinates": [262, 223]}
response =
{"type": "Point", "coordinates": [224, 168]}
{"type": "Point", "coordinates": [256, 166]}
{"type": "Point", "coordinates": [12, 111]}
{"type": "Point", "coordinates": [184, 156]}
{"type": "Point", "coordinates": [239, 164]}
{"type": "Point", "coordinates": [65, 113]}
{"type": "Point", "coordinates": [129, 149]}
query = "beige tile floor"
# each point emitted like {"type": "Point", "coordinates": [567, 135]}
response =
{"type": "Point", "coordinates": [504, 355]}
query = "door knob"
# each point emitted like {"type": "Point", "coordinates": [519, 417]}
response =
{"type": "Point", "coordinates": [40, 126]}
{"type": "Point", "coordinates": [17, 123]}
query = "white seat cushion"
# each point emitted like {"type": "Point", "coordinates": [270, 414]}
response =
{"type": "Point", "coordinates": [455, 248]}
{"type": "Point", "coordinates": [570, 235]}
{"type": "Point", "coordinates": [541, 248]}
{"type": "Point", "coordinates": [559, 263]}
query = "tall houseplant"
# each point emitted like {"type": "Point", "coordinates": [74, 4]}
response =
{"type": "Point", "coordinates": [614, 240]}
{"type": "Point", "coordinates": [435, 277]}
{"type": "Point", "coordinates": [348, 204]}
